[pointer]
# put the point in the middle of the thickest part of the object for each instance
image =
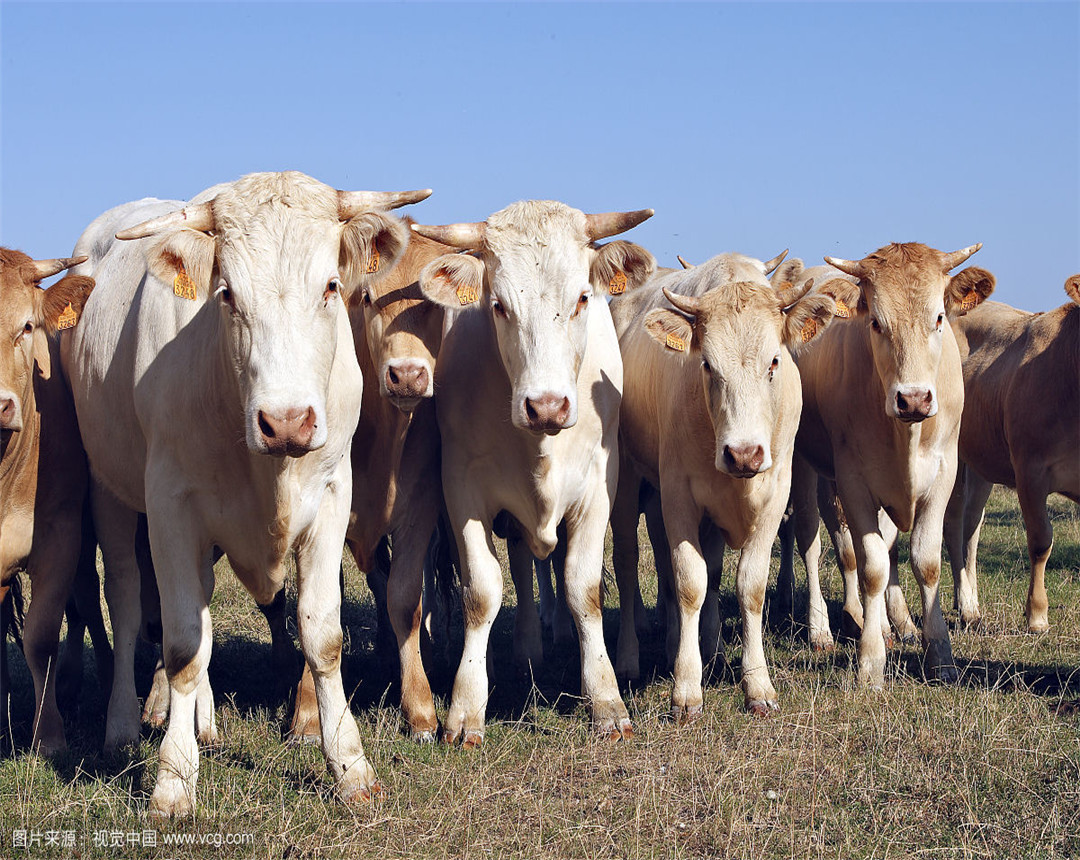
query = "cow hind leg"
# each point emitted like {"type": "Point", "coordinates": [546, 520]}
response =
{"type": "Point", "coordinates": [528, 636]}
{"type": "Point", "coordinates": [899, 616]}
{"type": "Point", "coordinates": [712, 643]}
{"type": "Point", "coordinates": [624, 521]}
{"type": "Point", "coordinates": [1032, 490]}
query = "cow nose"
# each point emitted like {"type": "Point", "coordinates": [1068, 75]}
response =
{"type": "Point", "coordinates": [916, 404]}
{"type": "Point", "coordinates": [9, 415]}
{"type": "Point", "coordinates": [407, 379]}
{"type": "Point", "coordinates": [547, 413]}
{"type": "Point", "coordinates": [743, 461]}
{"type": "Point", "coordinates": [288, 432]}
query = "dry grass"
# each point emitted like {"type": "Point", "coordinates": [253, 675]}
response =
{"type": "Point", "coordinates": [983, 769]}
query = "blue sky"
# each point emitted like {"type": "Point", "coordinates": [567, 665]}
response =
{"type": "Point", "coordinates": [829, 128]}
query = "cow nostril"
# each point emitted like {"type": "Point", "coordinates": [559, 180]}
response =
{"type": "Point", "coordinates": [265, 427]}
{"type": "Point", "coordinates": [530, 412]}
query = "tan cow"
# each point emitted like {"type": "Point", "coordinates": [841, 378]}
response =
{"type": "Point", "coordinates": [882, 400]}
{"type": "Point", "coordinates": [42, 465]}
{"type": "Point", "coordinates": [1021, 428]}
{"type": "Point", "coordinates": [528, 388]}
{"type": "Point", "coordinates": [395, 462]}
{"type": "Point", "coordinates": [709, 417]}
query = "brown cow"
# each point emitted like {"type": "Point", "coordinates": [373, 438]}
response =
{"type": "Point", "coordinates": [42, 465]}
{"type": "Point", "coordinates": [882, 400]}
{"type": "Point", "coordinates": [1021, 428]}
{"type": "Point", "coordinates": [395, 461]}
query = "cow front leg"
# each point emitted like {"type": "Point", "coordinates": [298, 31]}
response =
{"type": "Point", "coordinates": [585, 530]}
{"type": "Point", "coordinates": [624, 522]}
{"type": "Point", "coordinates": [681, 519]}
{"type": "Point", "coordinates": [751, 579]}
{"type": "Point", "coordinates": [926, 564]}
{"type": "Point", "coordinates": [899, 616]}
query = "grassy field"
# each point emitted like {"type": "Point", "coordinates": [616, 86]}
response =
{"type": "Point", "coordinates": [989, 768]}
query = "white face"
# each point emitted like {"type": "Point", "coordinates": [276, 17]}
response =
{"type": "Point", "coordinates": [280, 297]}
{"type": "Point", "coordinates": [539, 301]}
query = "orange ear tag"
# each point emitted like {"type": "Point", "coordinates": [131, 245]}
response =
{"type": "Point", "coordinates": [842, 310]}
{"type": "Point", "coordinates": [809, 329]}
{"type": "Point", "coordinates": [675, 342]}
{"type": "Point", "coordinates": [617, 285]}
{"type": "Point", "coordinates": [373, 263]}
{"type": "Point", "coordinates": [467, 295]}
{"type": "Point", "coordinates": [970, 301]}
{"type": "Point", "coordinates": [67, 318]}
{"type": "Point", "coordinates": [183, 286]}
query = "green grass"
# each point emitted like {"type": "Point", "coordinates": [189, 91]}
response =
{"type": "Point", "coordinates": [986, 768]}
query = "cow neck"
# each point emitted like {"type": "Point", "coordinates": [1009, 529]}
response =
{"type": "Point", "coordinates": [18, 446]}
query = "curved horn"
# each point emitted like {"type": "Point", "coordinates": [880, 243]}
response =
{"type": "Point", "coordinates": [199, 216]}
{"type": "Point", "coordinates": [770, 265]}
{"type": "Point", "coordinates": [468, 236]}
{"type": "Point", "coordinates": [849, 267]}
{"type": "Point", "coordinates": [787, 296]}
{"type": "Point", "coordinates": [612, 223]}
{"type": "Point", "coordinates": [352, 203]}
{"type": "Point", "coordinates": [48, 268]}
{"type": "Point", "coordinates": [683, 262]}
{"type": "Point", "coordinates": [687, 304]}
{"type": "Point", "coordinates": [951, 261]}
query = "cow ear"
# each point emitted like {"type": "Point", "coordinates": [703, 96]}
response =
{"type": "Point", "coordinates": [184, 258]}
{"type": "Point", "coordinates": [847, 297]}
{"type": "Point", "coordinates": [967, 290]}
{"type": "Point", "coordinates": [788, 271]}
{"type": "Point", "coordinates": [808, 318]}
{"type": "Point", "coordinates": [1072, 287]}
{"type": "Point", "coordinates": [61, 305]}
{"type": "Point", "coordinates": [669, 329]}
{"type": "Point", "coordinates": [453, 280]}
{"type": "Point", "coordinates": [371, 244]}
{"type": "Point", "coordinates": [620, 266]}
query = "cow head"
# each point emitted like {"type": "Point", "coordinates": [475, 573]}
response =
{"type": "Point", "coordinates": [24, 309]}
{"type": "Point", "coordinates": [403, 330]}
{"type": "Point", "coordinates": [741, 328]}
{"type": "Point", "coordinates": [905, 295]}
{"type": "Point", "coordinates": [278, 253]}
{"type": "Point", "coordinates": [1072, 288]}
{"type": "Point", "coordinates": [536, 270]}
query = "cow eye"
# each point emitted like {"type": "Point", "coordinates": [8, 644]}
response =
{"type": "Point", "coordinates": [582, 303]}
{"type": "Point", "coordinates": [875, 325]}
{"type": "Point", "coordinates": [497, 306]}
{"type": "Point", "coordinates": [773, 366]}
{"type": "Point", "coordinates": [706, 366]}
{"type": "Point", "coordinates": [367, 298]}
{"type": "Point", "coordinates": [333, 286]}
{"type": "Point", "coordinates": [225, 294]}
{"type": "Point", "coordinates": [28, 328]}
{"type": "Point", "coordinates": [940, 321]}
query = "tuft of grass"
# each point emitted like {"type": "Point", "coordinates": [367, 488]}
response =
{"type": "Point", "coordinates": [988, 768]}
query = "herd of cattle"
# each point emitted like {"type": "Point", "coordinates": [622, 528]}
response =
{"type": "Point", "coordinates": [276, 367]}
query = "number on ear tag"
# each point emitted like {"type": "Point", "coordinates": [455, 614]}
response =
{"type": "Point", "coordinates": [675, 342]}
{"type": "Point", "coordinates": [467, 295]}
{"type": "Point", "coordinates": [617, 284]}
{"type": "Point", "coordinates": [373, 263]}
{"type": "Point", "coordinates": [842, 310]}
{"type": "Point", "coordinates": [809, 329]}
{"type": "Point", "coordinates": [68, 317]}
{"type": "Point", "coordinates": [183, 286]}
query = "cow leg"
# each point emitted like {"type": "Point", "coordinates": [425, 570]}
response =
{"type": "Point", "coordinates": [156, 707]}
{"type": "Point", "coordinates": [481, 597]}
{"type": "Point", "coordinates": [624, 522]}
{"type": "Point", "coordinates": [926, 564]}
{"type": "Point", "coordinates": [528, 636]}
{"type": "Point", "coordinates": [6, 609]}
{"type": "Point", "coordinates": [52, 568]}
{"type": "Point", "coordinates": [69, 664]}
{"type": "Point", "coordinates": [667, 606]}
{"type": "Point", "coordinates": [712, 546]}
{"type": "Point", "coordinates": [806, 491]}
{"type": "Point", "coordinates": [851, 617]}
{"type": "Point", "coordinates": [751, 580]}
{"type": "Point", "coordinates": [1032, 489]}
{"type": "Point", "coordinates": [318, 566]}
{"type": "Point", "coordinates": [563, 626]}
{"type": "Point", "coordinates": [283, 654]}
{"type": "Point", "coordinates": [545, 590]}
{"type": "Point", "coordinates": [872, 559]}
{"type": "Point", "coordinates": [897, 609]}
{"type": "Point", "coordinates": [404, 603]}
{"type": "Point", "coordinates": [585, 532]}
{"type": "Point", "coordinates": [963, 524]}
{"type": "Point", "coordinates": [115, 525]}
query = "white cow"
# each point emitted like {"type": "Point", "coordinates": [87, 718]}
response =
{"type": "Point", "coordinates": [540, 341]}
{"type": "Point", "coordinates": [217, 390]}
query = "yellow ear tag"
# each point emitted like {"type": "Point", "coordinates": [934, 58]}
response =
{"type": "Point", "coordinates": [617, 285]}
{"type": "Point", "coordinates": [809, 329]}
{"type": "Point", "coordinates": [67, 318]}
{"type": "Point", "coordinates": [842, 310]}
{"type": "Point", "coordinates": [971, 299]}
{"type": "Point", "coordinates": [373, 263]}
{"type": "Point", "coordinates": [675, 342]}
{"type": "Point", "coordinates": [467, 295]}
{"type": "Point", "coordinates": [183, 286]}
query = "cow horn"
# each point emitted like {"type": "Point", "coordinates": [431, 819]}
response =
{"type": "Point", "coordinates": [849, 267]}
{"type": "Point", "coordinates": [198, 216]}
{"type": "Point", "coordinates": [789, 295]}
{"type": "Point", "coordinates": [951, 261]}
{"type": "Point", "coordinates": [352, 203]}
{"type": "Point", "coordinates": [48, 268]}
{"type": "Point", "coordinates": [683, 262]}
{"type": "Point", "coordinates": [687, 304]}
{"type": "Point", "coordinates": [468, 236]}
{"type": "Point", "coordinates": [770, 265]}
{"type": "Point", "coordinates": [612, 223]}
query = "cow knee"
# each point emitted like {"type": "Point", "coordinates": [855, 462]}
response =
{"type": "Point", "coordinates": [479, 605]}
{"type": "Point", "coordinates": [324, 657]}
{"type": "Point", "coordinates": [183, 660]}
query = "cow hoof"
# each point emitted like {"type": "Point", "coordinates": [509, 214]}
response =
{"type": "Point", "coordinates": [166, 804]}
{"type": "Point", "coordinates": [425, 736]}
{"type": "Point", "coordinates": [472, 740]}
{"type": "Point", "coordinates": [823, 645]}
{"type": "Point", "coordinates": [908, 638]}
{"type": "Point", "coordinates": [361, 795]}
{"type": "Point", "coordinates": [156, 719]}
{"type": "Point", "coordinates": [303, 738]}
{"type": "Point", "coordinates": [1038, 627]}
{"type": "Point", "coordinates": [889, 641]}
{"type": "Point", "coordinates": [49, 747]}
{"type": "Point", "coordinates": [947, 675]}
{"type": "Point", "coordinates": [209, 737]}
{"type": "Point", "coordinates": [683, 715]}
{"type": "Point", "coordinates": [762, 707]}
{"type": "Point", "coordinates": [614, 731]}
